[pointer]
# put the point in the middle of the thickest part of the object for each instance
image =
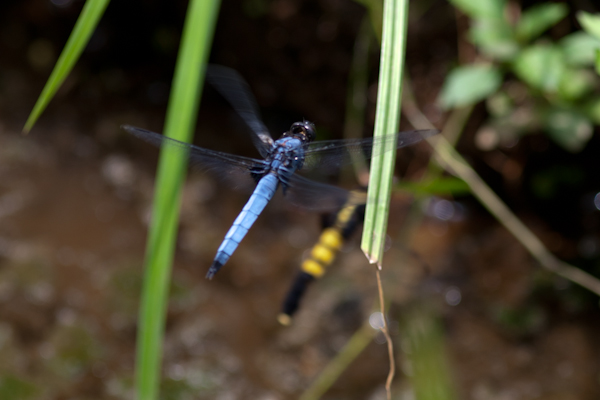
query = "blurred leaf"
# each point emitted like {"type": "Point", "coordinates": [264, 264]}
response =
{"type": "Point", "coordinates": [13, 388]}
{"type": "Point", "coordinates": [592, 110]}
{"type": "Point", "coordinates": [570, 129]}
{"type": "Point", "coordinates": [84, 27]}
{"type": "Point", "coordinates": [575, 83]}
{"type": "Point", "coordinates": [470, 84]}
{"type": "Point", "coordinates": [499, 104]}
{"type": "Point", "coordinates": [541, 66]}
{"type": "Point", "coordinates": [481, 9]}
{"type": "Point", "coordinates": [535, 20]}
{"type": "Point", "coordinates": [438, 186]}
{"type": "Point", "coordinates": [597, 61]}
{"type": "Point", "coordinates": [590, 23]}
{"type": "Point", "coordinates": [495, 38]}
{"type": "Point", "coordinates": [579, 48]}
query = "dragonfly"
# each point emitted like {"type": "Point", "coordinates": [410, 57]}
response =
{"type": "Point", "coordinates": [295, 150]}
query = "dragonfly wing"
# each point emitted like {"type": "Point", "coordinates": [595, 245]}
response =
{"type": "Point", "coordinates": [314, 195]}
{"type": "Point", "coordinates": [336, 153]}
{"type": "Point", "coordinates": [236, 91]}
{"type": "Point", "coordinates": [229, 167]}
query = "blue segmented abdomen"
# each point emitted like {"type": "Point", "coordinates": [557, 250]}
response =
{"type": "Point", "coordinates": [262, 194]}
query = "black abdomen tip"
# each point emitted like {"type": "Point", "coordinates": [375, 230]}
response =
{"type": "Point", "coordinates": [214, 268]}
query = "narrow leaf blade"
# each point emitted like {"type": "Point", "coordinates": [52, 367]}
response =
{"type": "Point", "coordinates": [84, 27]}
{"type": "Point", "coordinates": [180, 121]}
{"type": "Point", "coordinates": [386, 123]}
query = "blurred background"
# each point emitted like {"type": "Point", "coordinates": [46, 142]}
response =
{"type": "Point", "coordinates": [472, 313]}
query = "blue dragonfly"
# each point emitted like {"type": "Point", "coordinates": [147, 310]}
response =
{"type": "Point", "coordinates": [294, 151]}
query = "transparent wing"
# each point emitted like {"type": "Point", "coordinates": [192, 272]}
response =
{"type": "Point", "coordinates": [336, 153]}
{"type": "Point", "coordinates": [233, 88]}
{"type": "Point", "coordinates": [315, 196]}
{"type": "Point", "coordinates": [301, 191]}
{"type": "Point", "coordinates": [233, 168]}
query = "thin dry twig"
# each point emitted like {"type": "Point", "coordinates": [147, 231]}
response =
{"type": "Point", "coordinates": [388, 338]}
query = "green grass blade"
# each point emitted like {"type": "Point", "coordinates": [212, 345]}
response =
{"type": "Point", "coordinates": [179, 124]}
{"type": "Point", "coordinates": [84, 27]}
{"type": "Point", "coordinates": [424, 347]}
{"type": "Point", "coordinates": [386, 123]}
{"type": "Point", "coordinates": [334, 369]}
{"type": "Point", "coordinates": [375, 10]}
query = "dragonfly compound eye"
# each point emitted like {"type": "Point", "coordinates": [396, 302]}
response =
{"type": "Point", "coordinates": [311, 132]}
{"type": "Point", "coordinates": [306, 129]}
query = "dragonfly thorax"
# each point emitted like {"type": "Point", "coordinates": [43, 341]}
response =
{"type": "Point", "coordinates": [288, 153]}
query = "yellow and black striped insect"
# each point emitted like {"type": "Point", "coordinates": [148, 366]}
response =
{"type": "Point", "coordinates": [347, 219]}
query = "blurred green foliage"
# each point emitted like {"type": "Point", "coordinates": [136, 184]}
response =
{"type": "Point", "coordinates": [436, 186]}
{"type": "Point", "coordinates": [426, 363]}
{"type": "Point", "coordinates": [530, 82]}
{"type": "Point", "coordinates": [520, 321]}
{"type": "Point", "coordinates": [172, 389]}
{"type": "Point", "coordinates": [75, 350]}
{"type": "Point", "coordinates": [13, 388]}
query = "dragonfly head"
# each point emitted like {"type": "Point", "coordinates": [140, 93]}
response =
{"type": "Point", "coordinates": [304, 131]}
